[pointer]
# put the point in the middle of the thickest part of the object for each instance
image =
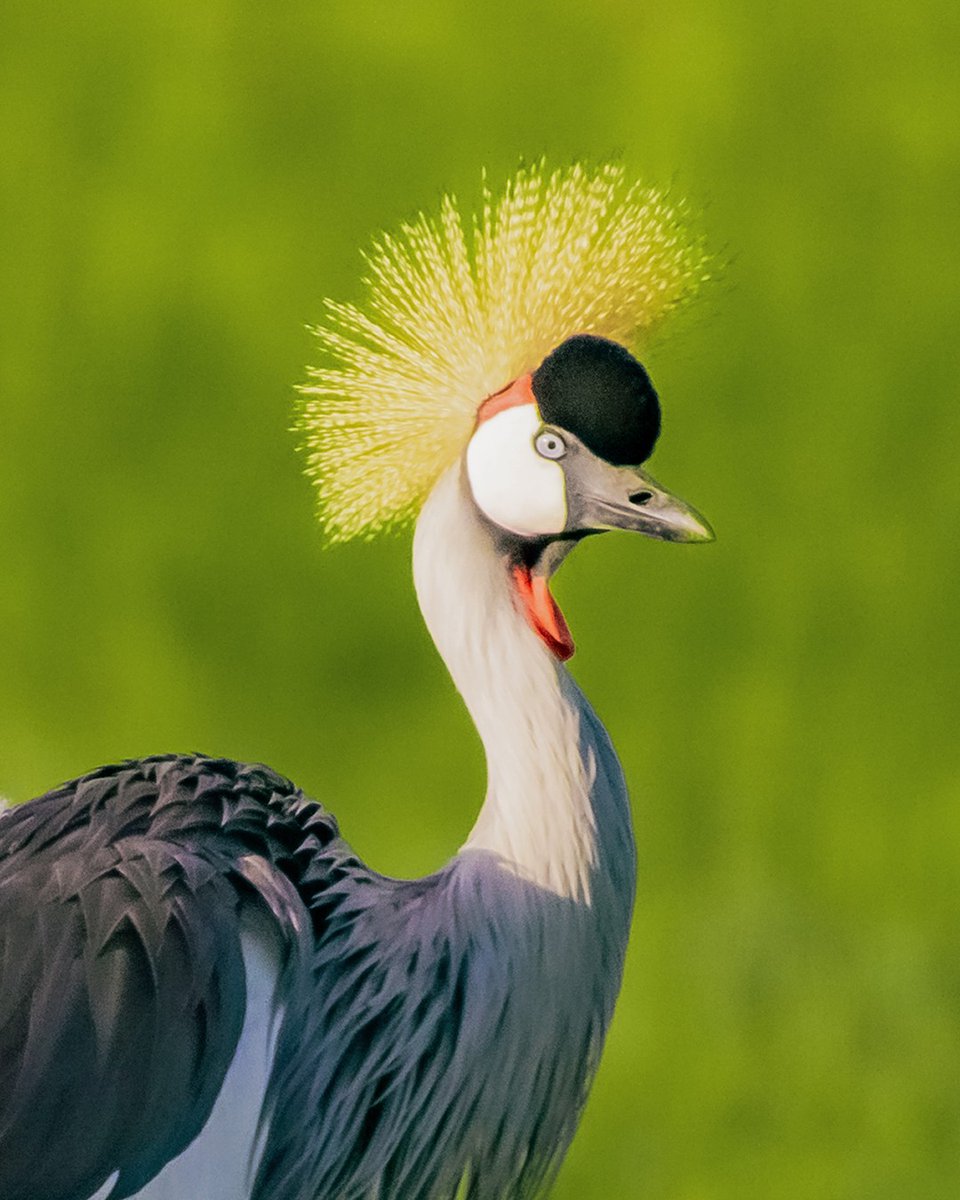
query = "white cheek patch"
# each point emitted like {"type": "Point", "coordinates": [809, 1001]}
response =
{"type": "Point", "coordinates": [511, 483]}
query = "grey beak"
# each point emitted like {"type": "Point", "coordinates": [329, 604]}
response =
{"type": "Point", "coordinates": [601, 496]}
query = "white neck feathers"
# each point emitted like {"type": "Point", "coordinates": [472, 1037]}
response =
{"type": "Point", "coordinates": [537, 815]}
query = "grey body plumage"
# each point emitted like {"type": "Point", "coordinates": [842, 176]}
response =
{"type": "Point", "coordinates": [414, 1051]}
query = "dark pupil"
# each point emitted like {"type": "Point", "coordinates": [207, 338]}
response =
{"type": "Point", "coordinates": [597, 390]}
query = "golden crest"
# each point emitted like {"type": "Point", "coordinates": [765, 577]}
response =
{"type": "Point", "coordinates": [456, 310]}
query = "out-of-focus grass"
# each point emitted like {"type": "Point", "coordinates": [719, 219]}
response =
{"type": "Point", "coordinates": [180, 184]}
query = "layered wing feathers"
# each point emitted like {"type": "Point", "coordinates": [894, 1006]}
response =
{"type": "Point", "coordinates": [122, 989]}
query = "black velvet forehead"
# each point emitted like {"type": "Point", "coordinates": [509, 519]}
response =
{"type": "Point", "coordinates": [598, 391]}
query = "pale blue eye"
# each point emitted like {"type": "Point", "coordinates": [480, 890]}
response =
{"type": "Point", "coordinates": [550, 444]}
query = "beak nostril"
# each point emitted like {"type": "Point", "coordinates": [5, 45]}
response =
{"type": "Point", "coordinates": [640, 498]}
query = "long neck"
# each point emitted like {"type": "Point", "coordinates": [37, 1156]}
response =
{"type": "Point", "coordinates": [544, 747]}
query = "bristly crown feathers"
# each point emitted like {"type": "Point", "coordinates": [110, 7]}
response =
{"type": "Point", "coordinates": [453, 316]}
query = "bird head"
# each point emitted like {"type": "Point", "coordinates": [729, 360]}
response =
{"type": "Point", "coordinates": [500, 347]}
{"type": "Point", "coordinates": [556, 457]}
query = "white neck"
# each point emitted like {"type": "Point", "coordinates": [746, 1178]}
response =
{"type": "Point", "coordinates": [537, 815]}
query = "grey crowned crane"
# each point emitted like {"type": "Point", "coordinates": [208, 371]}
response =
{"type": "Point", "coordinates": [204, 993]}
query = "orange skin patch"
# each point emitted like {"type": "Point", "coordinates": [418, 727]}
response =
{"type": "Point", "coordinates": [512, 396]}
{"type": "Point", "coordinates": [542, 612]}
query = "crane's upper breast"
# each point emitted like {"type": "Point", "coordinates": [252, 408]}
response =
{"type": "Point", "coordinates": [453, 1032]}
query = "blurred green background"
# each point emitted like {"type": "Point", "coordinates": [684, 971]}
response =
{"type": "Point", "coordinates": [182, 183]}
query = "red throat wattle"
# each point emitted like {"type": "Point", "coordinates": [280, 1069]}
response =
{"type": "Point", "coordinates": [542, 612]}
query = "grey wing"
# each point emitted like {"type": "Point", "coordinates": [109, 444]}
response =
{"type": "Point", "coordinates": [123, 989]}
